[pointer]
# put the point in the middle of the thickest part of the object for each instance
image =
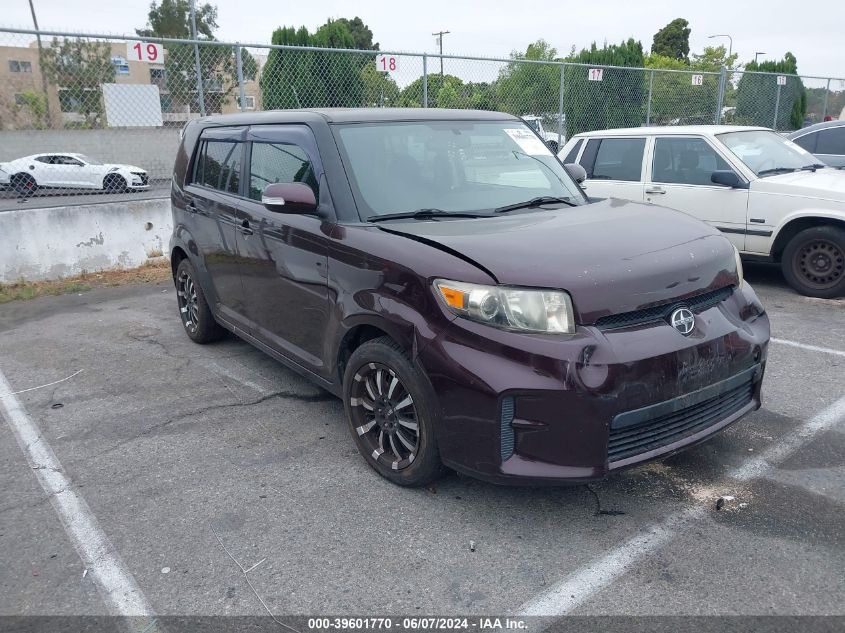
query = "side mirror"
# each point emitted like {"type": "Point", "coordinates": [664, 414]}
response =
{"type": "Point", "coordinates": [578, 173]}
{"type": "Point", "coordinates": [289, 197]}
{"type": "Point", "coordinates": [728, 178]}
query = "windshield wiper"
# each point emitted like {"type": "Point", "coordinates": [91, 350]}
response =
{"type": "Point", "coordinates": [777, 170]}
{"type": "Point", "coordinates": [423, 214]}
{"type": "Point", "coordinates": [813, 167]}
{"type": "Point", "coordinates": [535, 202]}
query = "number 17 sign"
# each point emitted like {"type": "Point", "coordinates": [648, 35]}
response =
{"type": "Point", "coordinates": [144, 52]}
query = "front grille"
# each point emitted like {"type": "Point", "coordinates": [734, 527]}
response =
{"type": "Point", "coordinates": [698, 303]}
{"type": "Point", "coordinates": [145, 179]}
{"type": "Point", "coordinates": [507, 430]}
{"type": "Point", "coordinates": [637, 432]}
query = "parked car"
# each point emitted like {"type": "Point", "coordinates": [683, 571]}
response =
{"type": "Point", "coordinates": [825, 140]}
{"type": "Point", "coordinates": [441, 272]}
{"type": "Point", "coordinates": [69, 170]}
{"type": "Point", "coordinates": [552, 138]}
{"type": "Point", "coordinates": [774, 200]}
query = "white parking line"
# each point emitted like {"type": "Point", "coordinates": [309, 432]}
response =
{"type": "Point", "coordinates": [562, 597]}
{"type": "Point", "coordinates": [810, 348]}
{"type": "Point", "coordinates": [116, 585]}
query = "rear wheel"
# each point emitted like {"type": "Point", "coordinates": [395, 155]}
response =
{"type": "Point", "coordinates": [23, 184]}
{"type": "Point", "coordinates": [114, 183]}
{"type": "Point", "coordinates": [391, 411]}
{"type": "Point", "coordinates": [196, 316]}
{"type": "Point", "coordinates": [813, 262]}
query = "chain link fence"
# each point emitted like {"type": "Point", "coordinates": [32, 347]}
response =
{"type": "Point", "coordinates": [83, 114]}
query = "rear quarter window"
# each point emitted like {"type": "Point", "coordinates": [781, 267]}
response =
{"type": "Point", "coordinates": [831, 141]}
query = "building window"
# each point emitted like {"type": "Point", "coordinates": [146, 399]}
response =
{"type": "Point", "coordinates": [121, 66]}
{"type": "Point", "coordinates": [16, 66]}
{"type": "Point", "coordinates": [157, 77]}
{"type": "Point", "coordinates": [249, 102]}
{"type": "Point", "coordinates": [20, 100]}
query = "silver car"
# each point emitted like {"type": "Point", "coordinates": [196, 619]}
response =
{"type": "Point", "coordinates": [825, 140]}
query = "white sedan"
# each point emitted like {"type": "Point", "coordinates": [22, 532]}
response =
{"type": "Point", "coordinates": [774, 200]}
{"type": "Point", "coordinates": [70, 171]}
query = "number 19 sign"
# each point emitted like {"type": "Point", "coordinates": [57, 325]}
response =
{"type": "Point", "coordinates": [144, 52]}
{"type": "Point", "coordinates": [387, 63]}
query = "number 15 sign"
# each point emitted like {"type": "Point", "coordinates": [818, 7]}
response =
{"type": "Point", "coordinates": [144, 52]}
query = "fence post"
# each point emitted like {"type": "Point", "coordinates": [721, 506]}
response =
{"type": "Point", "coordinates": [198, 69]}
{"type": "Point", "coordinates": [650, 93]}
{"type": "Point", "coordinates": [240, 67]}
{"type": "Point", "coordinates": [560, 110]}
{"type": "Point", "coordinates": [720, 96]}
{"type": "Point", "coordinates": [425, 81]}
{"type": "Point", "coordinates": [826, 95]}
{"type": "Point", "coordinates": [777, 107]}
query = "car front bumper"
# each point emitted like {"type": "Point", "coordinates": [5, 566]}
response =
{"type": "Point", "coordinates": [543, 409]}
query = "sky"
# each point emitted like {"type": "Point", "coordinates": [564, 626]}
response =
{"type": "Point", "coordinates": [495, 28]}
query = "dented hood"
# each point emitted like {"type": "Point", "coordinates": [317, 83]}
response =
{"type": "Point", "coordinates": [611, 256]}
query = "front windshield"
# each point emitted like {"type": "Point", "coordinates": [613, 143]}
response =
{"type": "Point", "coordinates": [86, 159]}
{"type": "Point", "coordinates": [766, 152]}
{"type": "Point", "coordinates": [452, 166]}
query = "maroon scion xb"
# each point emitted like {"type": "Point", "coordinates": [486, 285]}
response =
{"type": "Point", "coordinates": [445, 275]}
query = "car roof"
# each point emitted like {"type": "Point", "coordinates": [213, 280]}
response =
{"type": "Point", "coordinates": [817, 126]}
{"type": "Point", "coordinates": [357, 115]}
{"type": "Point", "coordinates": [676, 130]}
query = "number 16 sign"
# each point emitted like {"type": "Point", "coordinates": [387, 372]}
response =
{"type": "Point", "coordinates": [144, 52]}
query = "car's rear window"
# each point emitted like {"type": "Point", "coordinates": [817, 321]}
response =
{"type": "Point", "coordinates": [218, 165]}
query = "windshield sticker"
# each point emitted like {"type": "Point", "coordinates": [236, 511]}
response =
{"type": "Point", "coordinates": [528, 141]}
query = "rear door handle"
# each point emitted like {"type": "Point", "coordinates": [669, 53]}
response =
{"type": "Point", "coordinates": [245, 229]}
{"type": "Point", "coordinates": [655, 190]}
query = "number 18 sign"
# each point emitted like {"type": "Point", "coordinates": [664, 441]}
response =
{"type": "Point", "coordinates": [387, 63]}
{"type": "Point", "coordinates": [144, 52]}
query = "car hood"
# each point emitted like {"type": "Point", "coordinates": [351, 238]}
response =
{"type": "Point", "coordinates": [612, 256]}
{"type": "Point", "coordinates": [823, 184]}
{"type": "Point", "coordinates": [111, 166]}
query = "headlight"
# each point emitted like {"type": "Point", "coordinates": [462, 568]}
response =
{"type": "Point", "coordinates": [507, 307]}
{"type": "Point", "coordinates": [739, 272]}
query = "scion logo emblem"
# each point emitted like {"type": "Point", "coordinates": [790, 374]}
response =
{"type": "Point", "coordinates": [682, 320]}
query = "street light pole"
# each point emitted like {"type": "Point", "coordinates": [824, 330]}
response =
{"type": "Point", "coordinates": [440, 35]}
{"type": "Point", "coordinates": [757, 54]}
{"type": "Point", "coordinates": [730, 40]}
{"type": "Point", "coordinates": [198, 66]}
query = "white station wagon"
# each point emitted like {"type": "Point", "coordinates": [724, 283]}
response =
{"type": "Point", "coordinates": [773, 199]}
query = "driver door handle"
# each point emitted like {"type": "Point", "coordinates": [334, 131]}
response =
{"type": "Point", "coordinates": [655, 190]}
{"type": "Point", "coordinates": [245, 229]}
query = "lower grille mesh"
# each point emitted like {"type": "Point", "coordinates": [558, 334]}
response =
{"type": "Point", "coordinates": [665, 429]}
{"type": "Point", "coordinates": [507, 429]}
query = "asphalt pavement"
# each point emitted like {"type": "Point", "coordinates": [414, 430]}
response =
{"type": "Point", "coordinates": [196, 463]}
{"type": "Point", "coordinates": [11, 201]}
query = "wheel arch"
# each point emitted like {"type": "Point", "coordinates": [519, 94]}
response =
{"type": "Point", "coordinates": [795, 225]}
{"type": "Point", "coordinates": [361, 330]}
{"type": "Point", "coordinates": [177, 254]}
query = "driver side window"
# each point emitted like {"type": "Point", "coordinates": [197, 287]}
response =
{"type": "Point", "coordinates": [686, 161]}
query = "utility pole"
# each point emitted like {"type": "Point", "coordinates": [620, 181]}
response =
{"type": "Point", "coordinates": [41, 67]}
{"type": "Point", "coordinates": [440, 35]}
{"type": "Point", "coordinates": [200, 95]}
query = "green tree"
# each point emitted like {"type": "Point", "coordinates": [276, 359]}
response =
{"type": "Point", "coordinates": [218, 66]}
{"type": "Point", "coordinates": [78, 68]}
{"type": "Point", "coordinates": [525, 87]}
{"type": "Point", "coordinates": [34, 104]}
{"type": "Point", "coordinates": [673, 40]}
{"type": "Point", "coordinates": [362, 36]}
{"type": "Point", "coordinates": [412, 95]}
{"type": "Point", "coordinates": [615, 101]}
{"type": "Point", "coordinates": [757, 95]}
{"type": "Point", "coordinates": [380, 90]}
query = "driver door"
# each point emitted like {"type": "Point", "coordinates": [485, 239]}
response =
{"type": "Point", "coordinates": [679, 178]}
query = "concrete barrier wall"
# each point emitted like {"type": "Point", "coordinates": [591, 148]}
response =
{"type": "Point", "coordinates": [50, 243]}
{"type": "Point", "coordinates": [153, 149]}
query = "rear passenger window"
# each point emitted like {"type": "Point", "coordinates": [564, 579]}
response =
{"type": "Point", "coordinates": [573, 153]}
{"type": "Point", "coordinates": [219, 166]}
{"type": "Point", "coordinates": [278, 162]}
{"type": "Point", "coordinates": [808, 141]}
{"type": "Point", "coordinates": [688, 161]}
{"type": "Point", "coordinates": [619, 159]}
{"type": "Point", "coordinates": [831, 141]}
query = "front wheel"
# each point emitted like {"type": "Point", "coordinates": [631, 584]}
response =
{"type": "Point", "coordinates": [23, 184]}
{"type": "Point", "coordinates": [813, 262]}
{"type": "Point", "coordinates": [391, 411]}
{"type": "Point", "coordinates": [114, 183]}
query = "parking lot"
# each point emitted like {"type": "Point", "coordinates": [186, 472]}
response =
{"type": "Point", "coordinates": [11, 200]}
{"type": "Point", "coordinates": [195, 464]}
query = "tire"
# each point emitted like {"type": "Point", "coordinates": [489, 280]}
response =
{"type": "Point", "coordinates": [23, 184]}
{"type": "Point", "coordinates": [114, 183]}
{"type": "Point", "coordinates": [813, 262]}
{"type": "Point", "coordinates": [194, 312]}
{"type": "Point", "coordinates": [385, 437]}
